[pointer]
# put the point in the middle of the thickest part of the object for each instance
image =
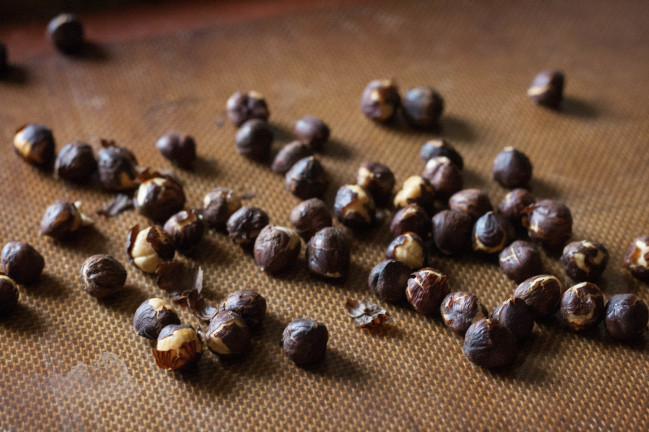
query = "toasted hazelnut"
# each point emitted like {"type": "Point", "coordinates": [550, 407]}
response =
{"type": "Point", "coordinates": [541, 294]}
{"type": "Point", "coordinates": [520, 261]}
{"type": "Point", "coordinates": [159, 198]}
{"type": "Point", "coordinates": [444, 176]}
{"type": "Point", "coordinates": [75, 162]}
{"type": "Point", "coordinates": [304, 341]}
{"type": "Point", "coordinates": [388, 280]}
{"type": "Point", "coordinates": [218, 205]}
{"type": "Point", "coordinates": [354, 207]}
{"type": "Point", "coordinates": [245, 224]}
{"type": "Point", "coordinates": [152, 316]}
{"type": "Point", "coordinates": [626, 317]}
{"type": "Point", "coordinates": [22, 262]}
{"type": "Point", "coordinates": [489, 344]}
{"type": "Point", "coordinates": [309, 217]}
{"type": "Point", "coordinates": [461, 309]}
{"type": "Point", "coordinates": [377, 179]}
{"type": "Point", "coordinates": [228, 334]}
{"type": "Point", "coordinates": [492, 233]}
{"type": "Point", "coordinates": [411, 218]}
{"type": "Point", "coordinates": [312, 131]}
{"type": "Point", "coordinates": [440, 147]}
{"type": "Point", "coordinates": [582, 306]}
{"type": "Point", "coordinates": [548, 223]}
{"type": "Point", "coordinates": [327, 253]}
{"type": "Point", "coordinates": [185, 229]}
{"type": "Point", "coordinates": [276, 248]}
{"type": "Point", "coordinates": [62, 219]}
{"type": "Point", "coordinates": [243, 106]}
{"type": "Point", "coordinates": [474, 202]}
{"type": "Point", "coordinates": [513, 204]}
{"type": "Point", "coordinates": [409, 249]}
{"type": "Point", "coordinates": [149, 247]}
{"type": "Point", "coordinates": [102, 276]}
{"type": "Point", "coordinates": [289, 155]}
{"type": "Point", "coordinates": [422, 107]}
{"type": "Point", "coordinates": [254, 139]}
{"type": "Point", "coordinates": [514, 314]}
{"type": "Point", "coordinates": [8, 295]}
{"type": "Point", "coordinates": [35, 143]}
{"type": "Point", "coordinates": [179, 148]}
{"type": "Point", "coordinates": [512, 168]}
{"type": "Point", "coordinates": [584, 261]}
{"type": "Point", "coordinates": [426, 290]}
{"type": "Point", "coordinates": [65, 31]}
{"type": "Point", "coordinates": [116, 167]}
{"type": "Point", "coordinates": [636, 259]}
{"type": "Point", "coordinates": [307, 178]}
{"type": "Point", "coordinates": [452, 231]}
{"type": "Point", "coordinates": [416, 190]}
{"type": "Point", "coordinates": [177, 346]}
{"type": "Point", "coordinates": [380, 100]}
{"type": "Point", "coordinates": [547, 88]}
{"type": "Point", "coordinates": [249, 304]}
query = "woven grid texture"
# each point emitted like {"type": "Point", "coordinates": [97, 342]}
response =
{"type": "Point", "coordinates": [73, 363]}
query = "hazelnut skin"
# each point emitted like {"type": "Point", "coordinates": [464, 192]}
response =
{"type": "Point", "coordinates": [8, 295]}
{"type": "Point", "coordinates": [312, 131]}
{"type": "Point", "coordinates": [582, 306]}
{"type": "Point", "coordinates": [452, 231]}
{"type": "Point", "coordinates": [309, 217]}
{"type": "Point", "coordinates": [244, 106]}
{"type": "Point", "coordinates": [626, 317]}
{"type": "Point", "coordinates": [152, 316]}
{"type": "Point", "coordinates": [22, 262]}
{"type": "Point", "coordinates": [636, 259]}
{"type": "Point", "coordinates": [474, 202]}
{"type": "Point", "coordinates": [426, 290]}
{"type": "Point", "coordinates": [411, 218]}
{"type": "Point", "coordinates": [416, 190]}
{"type": "Point", "coordinates": [489, 344]}
{"type": "Point", "coordinates": [102, 276]}
{"type": "Point", "coordinates": [149, 247]}
{"type": "Point", "coordinates": [520, 261]}
{"type": "Point", "coordinates": [377, 179]}
{"type": "Point", "coordinates": [422, 107]}
{"type": "Point", "coordinates": [289, 154]}
{"type": "Point", "coordinates": [228, 334]}
{"type": "Point", "coordinates": [380, 100]}
{"type": "Point", "coordinates": [307, 178]}
{"type": "Point", "coordinates": [254, 139]}
{"type": "Point", "coordinates": [354, 207]}
{"type": "Point", "coordinates": [444, 176]}
{"type": "Point", "coordinates": [75, 162]}
{"type": "Point", "coordinates": [548, 223]}
{"type": "Point", "coordinates": [179, 148]}
{"type": "Point", "coordinates": [185, 229]}
{"type": "Point", "coordinates": [159, 198]}
{"type": "Point", "coordinates": [584, 261]}
{"type": "Point", "coordinates": [35, 143]}
{"type": "Point", "coordinates": [547, 88]}
{"type": "Point", "coordinates": [245, 224]}
{"type": "Point", "coordinates": [408, 248]}
{"type": "Point", "coordinates": [492, 233]}
{"type": "Point", "coordinates": [249, 304]}
{"type": "Point", "coordinates": [327, 253]}
{"type": "Point", "coordinates": [218, 205]}
{"type": "Point", "coordinates": [461, 309]}
{"type": "Point", "coordinates": [541, 294]}
{"type": "Point", "coordinates": [513, 204]}
{"type": "Point", "coordinates": [177, 346]}
{"type": "Point", "coordinates": [514, 314]}
{"type": "Point", "coordinates": [388, 281]}
{"type": "Point", "coordinates": [116, 167]}
{"type": "Point", "coordinates": [304, 341]}
{"type": "Point", "coordinates": [440, 147]}
{"type": "Point", "coordinates": [65, 31]}
{"type": "Point", "coordinates": [276, 248]}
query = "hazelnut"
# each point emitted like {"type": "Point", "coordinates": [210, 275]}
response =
{"type": "Point", "coordinates": [185, 229]}
{"type": "Point", "coordinates": [35, 143]}
{"type": "Point", "coordinates": [327, 253]}
{"type": "Point", "coordinates": [304, 341]}
{"type": "Point", "coordinates": [520, 261]}
{"type": "Point", "coordinates": [244, 106]}
{"type": "Point", "coordinates": [75, 162]}
{"type": "Point", "coordinates": [276, 248]}
{"type": "Point", "coordinates": [416, 190]}
{"type": "Point", "coordinates": [159, 197]}
{"type": "Point", "coordinates": [228, 334]}
{"type": "Point", "coordinates": [245, 224]}
{"type": "Point", "coordinates": [445, 177]}
{"type": "Point", "coordinates": [3, 59]}
{"type": "Point", "coordinates": [177, 346]}
{"type": "Point", "coordinates": [312, 131]}
{"type": "Point", "coordinates": [8, 295]}
{"type": "Point", "coordinates": [377, 179]}
{"type": "Point", "coordinates": [461, 309]}
{"type": "Point", "coordinates": [582, 306]}
{"type": "Point", "coordinates": [583, 260]}
{"type": "Point", "coordinates": [626, 317]}
{"type": "Point", "coordinates": [409, 249]}
{"type": "Point", "coordinates": [541, 294]}
{"type": "Point", "coordinates": [492, 233]}
{"type": "Point", "coordinates": [388, 280]}
{"type": "Point", "coordinates": [218, 205]}
{"type": "Point", "coordinates": [440, 147]}
{"type": "Point", "coordinates": [249, 304]}
{"type": "Point", "coordinates": [548, 223]}
{"type": "Point", "coordinates": [354, 207]}
{"type": "Point", "coordinates": [489, 344]}
{"type": "Point", "coordinates": [422, 107]}
{"type": "Point", "coordinates": [21, 262]}
{"type": "Point", "coordinates": [149, 248]}
{"type": "Point", "coordinates": [152, 316]}
{"type": "Point", "coordinates": [513, 204]}
{"type": "Point", "coordinates": [179, 148]}
{"type": "Point", "coordinates": [254, 139]}
{"type": "Point", "coordinates": [512, 168]}
{"type": "Point", "coordinates": [307, 178]}
{"type": "Point", "coordinates": [426, 290]}
{"type": "Point", "coordinates": [65, 31]}
{"type": "Point", "coordinates": [547, 88]}
{"type": "Point", "coordinates": [116, 167]}
{"type": "Point", "coordinates": [309, 217]}
{"type": "Point", "coordinates": [514, 314]}
{"type": "Point", "coordinates": [289, 154]}
{"type": "Point", "coordinates": [62, 219]}
{"type": "Point", "coordinates": [474, 202]}
{"type": "Point", "coordinates": [452, 231]}
{"type": "Point", "coordinates": [380, 100]}
{"type": "Point", "coordinates": [411, 218]}
{"type": "Point", "coordinates": [102, 276]}
{"type": "Point", "coordinates": [637, 257]}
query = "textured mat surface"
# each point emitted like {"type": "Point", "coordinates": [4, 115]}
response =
{"type": "Point", "coordinates": [70, 362]}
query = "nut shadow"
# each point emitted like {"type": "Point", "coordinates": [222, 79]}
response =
{"type": "Point", "coordinates": [580, 108]}
{"type": "Point", "coordinates": [209, 252]}
{"type": "Point", "coordinates": [542, 189]}
{"type": "Point", "coordinates": [205, 377]}
{"type": "Point", "coordinates": [281, 133]}
{"type": "Point", "coordinates": [47, 286]}
{"type": "Point", "coordinates": [337, 149]}
{"type": "Point", "coordinates": [23, 320]}
{"type": "Point", "coordinates": [473, 179]}
{"type": "Point", "coordinates": [126, 301]}
{"type": "Point", "coordinates": [90, 51]}
{"type": "Point", "coordinates": [337, 366]}
{"type": "Point", "coordinates": [88, 240]}
{"type": "Point", "coordinates": [205, 167]}
{"type": "Point", "coordinates": [455, 128]}
{"type": "Point", "coordinates": [15, 75]}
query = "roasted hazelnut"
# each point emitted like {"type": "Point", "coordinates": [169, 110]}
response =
{"type": "Point", "coordinates": [377, 179]}
{"type": "Point", "coordinates": [411, 218]}
{"type": "Point", "coordinates": [473, 202]}
{"type": "Point", "coordinates": [179, 148]}
{"type": "Point", "coordinates": [461, 309]}
{"type": "Point", "coordinates": [637, 257]}
{"type": "Point", "coordinates": [228, 334]}
{"type": "Point", "coordinates": [35, 143]}
{"type": "Point", "coordinates": [307, 178]}
{"type": "Point", "coordinates": [289, 155]}
{"type": "Point", "coordinates": [626, 317]}
{"type": "Point", "coordinates": [177, 346]}
{"type": "Point", "coordinates": [416, 190]}
{"type": "Point", "coordinates": [452, 231]}
{"type": "Point", "coordinates": [444, 176]}
{"type": "Point", "coordinates": [305, 341]}
{"type": "Point", "coordinates": [426, 290]}
{"type": "Point", "coordinates": [218, 205]}
{"type": "Point", "coordinates": [245, 224]}
{"type": "Point", "coordinates": [116, 167]}
{"type": "Point", "coordinates": [152, 316]}
{"type": "Point", "coordinates": [380, 100]}
{"type": "Point", "coordinates": [62, 219]}
{"type": "Point", "coordinates": [254, 139]}
{"type": "Point", "coordinates": [158, 198]}
{"type": "Point", "coordinates": [309, 217]}
{"type": "Point", "coordinates": [244, 106]}
{"type": "Point", "coordinates": [354, 207]}
{"type": "Point", "coordinates": [312, 131]}
{"type": "Point", "coordinates": [513, 204]}
{"type": "Point", "coordinates": [512, 168]}
{"type": "Point", "coordinates": [3, 59]}
{"type": "Point", "coordinates": [422, 107]}
{"type": "Point", "coordinates": [520, 260]}
{"type": "Point", "coordinates": [388, 281]}
{"type": "Point", "coordinates": [65, 31]}
{"type": "Point", "coordinates": [489, 344]}
{"type": "Point", "coordinates": [149, 247]}
{"type": "Point", "coordinates": [249, 304]}
{"type": "Point", "coordinates": [186, 230]}
{"type": "Point", "coordinates": [492, 233]}
{"type": "Point", "coordinates": [547, 88]}
{"type": "Point", "coordinates": [582, 306]}
{"type": "Point", "coordinates": [22, 262]}
{"type": "Point", "coordinates": [327, 253]}
{"type": "Point", "coordinates": [583, 260]}
{"type": "Point", "coordinates": [408, 248]}
{"type": "Point", "coordinates": [440, 147]}
{"type": "Point", "coordinates": [548, 223]}
{"type": "Point", "coordinates": [514, 314]}
{"type": "Point", "coordinates": [276, 248]}
{"type": "Point", "coordinates": [102, 276]}
{"type": "Point", "coordinates": [541, 294]}
{"type": "Point", "coordinates": [75, 162]}
{"type": "Point", "coordinates": [8, 295]}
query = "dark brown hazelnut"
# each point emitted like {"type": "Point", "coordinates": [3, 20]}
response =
{"type": "Point", "coordinates": [149, 247]}
{"type": "Point", "coordinates": [3, 59]}
{"type": "Point", "coordinates": [354, 207]}
{"type": "Point", "coordinates": [244, 106]}
{"type": "Point", "coordinates": [380, 100]}
{"type": "Point", "coordinates": [512, 168]}
{"type": "Point", "coordinates": [541, 294]}
{"type": "Point", "coordinates": [62, 219]}
{"type": "Point", "coordinates": [22, 262]}
{"type": "Point", "coordinates": [158, 198]}
{"type": "Point", "coordinates": [245, 224]}
{"type": "Point", "coordinates": [416, 190]}
{"type": "Point", "coordinates": [489, 344]}
{"type": "Point", "coordinates": [408, 248]}
{"type": "Point", "coordinates": [102, 276]}
{"type": "Point", "coordinates": [75, 162]}
{"type": "Point", "coordinates": [247, 303]}
{"type": "Point", "coordinates": [547, 88]}
{"type": "Point", "coordinates": [289, 155]}
{"type": "Point", "coordinates": [8, 295]}
{"type": "Point", "coordinates": [254, 139]}
{"type": "Point", "coordinates": [452, 231]}
{"type": "Point", "coordinates": [388, 280]}
{"type": "Point", "coordinates": [228, 334]}
{"type": "Point", "coordinates": [473, 202]}
{"type": "Point", "coordinates": [65, 31]}
{"type": "Point", "coordinates": [461, 309]}
{"type": "Point", "coordinates": [305, 341]}
{"type": "Point", "coordinates": [513, 204]}
{"type": "Point", "coordinates": [276, 248]}
{"type": "Point", "coordinates": [492, 233]}
{"type": "Point", "coordinates": [312, 131]}
{"type": "Point", "coordinates": [440, 147]}
{"type": "Point", "coordinates": [177, 346]}
{"type": "Point", "coordinates": [514, 314]}
{"type": "Point", "coordinates": [584, 261]}
{"type": "Point", "coordinates": [327, 253]}
{"type": "Point", "coordinates": [636, 259]}
{"type": "Point", "coordinates": [186, 230]}
{"type": "Point", "coordinates": [179, 148]}
{"type": "Point", "coordinates": [116, 167]}
{"type": "Point", "coordinates": [582, 306]}
{"type": "Point", "coordinates": [411, 218]}
{"type": "Point", "coordinates": [152, 316]}
{"type": "Point", "coordinates": [444, 176]}
{"type": "Point", "coordinates": [307, 178]}
{"type": "Point", "coordinates": [426, 290]}
{"type": "Point", "coordinates": [626, 317]}
{"type": "Point", "coordinates": [309, 217]}
{"type": "Point", "coordinates": [218, 205]}
{"type": "Point", "coordinates": [377, 179]}
{"type": "Point", "coordinates": [35, 143]}
{"type": "Point", "coordinates": [548, 223]}
{"type": "Point", "coordinates": [422, 107]}
{"type": "Point", "coordinates": [520, 261]}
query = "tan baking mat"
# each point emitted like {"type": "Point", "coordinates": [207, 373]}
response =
{"type": "Point", "coordinates": [70, 362]}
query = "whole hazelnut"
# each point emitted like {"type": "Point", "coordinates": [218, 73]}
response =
{"type": "Point", "coordinates": [422, 107]}
{"type": "Point", "coordinates": [218, 205]}
{"type": "Point", "coordinates": [177, 346]}
{"type": "Point", "coordinates": [354, 207]}
{"type": "Point", "coordinates": [388, 280]}
{"type": "Point", "coordinates": [245, 224]}
{"type": "Point", "coordinates": [8, 295]}
{"type": "Point", "coordinates": [304, 341]}
{"type": "Point", "coordinates": [416, 190]}
{"type": "Point", "coordinates": [35, 143]}
{"type": "Point", "coordinates": [489, 344]}
{"type": "Point", "coordinates": [548, 223]}
{"type": "Point", "coordinates": [377, 179]}
{"type": "Point", "coordinates": [452, 231]}
{"type": "Point", "coordinates": [541, 294]}
{"type": "Point", "coordinates": [75, 162]}
{"type": "Point", "coordinates": [62, 219]}
{"type": "Point", "coordinates": [254, 139]}
{"type": "Point", "coordinates": [102, 276]}
{"type": "Point", "coordinates": [116, 167]}
{"type": "Point", "coordinates": [582, 306]}
{"type": "Point", "coordinates": [179, 148]}
{"type": "Point", "coordinates": [380, 100]}
{"type": "Point", "coordinates": [307, 178]}
{"type": "Point", "coordinates": [636, 259]}
{"type": "Point", "coordinates": [289, 154]}
{"type": "Point", "coordinates": [547, 88]}
{"type": "Point", "coordinates": [513, 204]}
{"type": "Point", "coordinates": [520, 261]}
{"type": "Point", "coordinates": [426, 290]}
{"type": "Point", "coordinates": [185, 229]}
{"type": "Point", "coordinates": [583, 260]}
{"type": "Point", "coordinates": [512, 168]}
{"type": "Point", "coordinates": [327, 253]}
{"type": "Point", "coordinates": [249, 304]}
{"type": "Point", "coordinates": [492, 233]}
{"type": "Point", "coordinates": [276, 248]}
{"type": "Point", "coordinates": [3, 59]}
{"type": "Point", "coordinates": [65, 31]}
{"type": "Point", "coordinates": [22, 262]}
{"type": "Point", "coordinates": [244, 106]}
{"type": "Point", "coordinates": [159, 198]}
{"type": "Point", "coordinates": [408, 248]}
{"type": "Point", "coordinates": [411, 218]}
{"type": "Point", "coordinates": [440, 147]}
{"type": "Point", "coordinates": [444, 176]}
{"type": "Point", "coordinates": [312, 131]}
{"type": "Point", "coordinates": [473, 202]}
{"type": "Point", "coordinates": [149, 247]}
{"type": "Point", "coordinates": [514, 314]}
{"type": "Point", "coordinates": [152, 316]}
{"type": "Point", "coordinates": [626, 317]}
{"type": "Point", "coordinates": [309, 217]}
{"type": "Point", "coordinates": [461, 309]}
{"type": "Point", "coordinates": [228, 334]}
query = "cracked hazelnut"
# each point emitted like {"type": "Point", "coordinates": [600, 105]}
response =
{"type": "Point", "coordinates": [582, 306]}
{"type": "Point", "coordinates": [62, 219]}
{"type": "Point", "coordinates": [185, 229]}
{"type": "Point", "coordinates": [541, 294]}
{"type": "Point", "coordinates": [249, 304]}
{"type": "Point", "coordinates": [327, 253]}
{"type": "Point", "coordinates": [177, 346]}
{"type": "Point", "coordinates": [489, 344]}
{"type": "Point", "coordinates": [584, 261]}
{"type": "Point", "coordinates": [445, 177]}
{"type": "Point", "coordinates": [245, 224]}
{"type": "Point", "coordinates": [426, 290]}
{"type": "Point", "coordinates": [411, 218]}
{"type": "Point", "coordinates": [548, 223]}
{"type": "Point", "coordinates": [158, 198]}
{"type": "Point", "coordinates": [228, 334]}
{"type": "Point", "coordinates": [304, 341]}
{"type": "Point", "coordinates": [492, 233]}
{"type": "Point", "coordinates": [65, 31]}
{"type": "Point", "coordinates": [408, 248]}
{"type": "Point", "coordinates": [35, 143]}
{"type": "Point", "coordinates": [179, 148]}
{"type": "Point", "coordinates": [388, 281]}
{"type": "Point", "coordinates": [116, 167]}
{"type": "Point", "coordinates": [473, 202]}
{"type": "Point", "coordinates": [440, 147]}
{"type": "Point", "coordinates": [512, 168]}
{"type": "Point", "coordinates": [422, 107]}
{"type": "Point", "coordinates": [8, 295]}
{"type": "Point", "coordinates": [149, 247]}
{"type": "Point", "coordinates": [416, 190]}
{"type": "Point", "coordinates": [514, 314]}
{"type": "Point", "coordinates": [22, 262]}
{"type": "Point", "coordinates": [380, 100]}
{"type": "Point", "coordinates": [276, 248]}
{"type": "Point", "coordinates": [312, 131]}
{"type": "Point", "coordinates": [513, 204]}
{"type": "Point", "coordinates": [309, 217]}
{"type": "Point", "coordinates": [461, 309]}
{"type": "Point", "coordinates": [152, 316]}
{"type": "Point", "coordinates": [520, 261]}
{"type": "Point", "coordinates": [102, 276]}
{"type": "Point", "coordinates": [289, 155]}
{"type": "Point", "coordinates": [547, 88]}
{"type": "Point", "coordinates": [218, 205]}
{"type": "Point", "coordinates": [452, 231]}
{"type": "Point", "coordinates": [626, 317]}
{"type": "Point", "coordinates": [254, 139]}
{"type": "Point", "coordinates": [244, 106]}
{"type": "Point", "coordinates": [75, 162]}
{"type": "Point", "coordinates": [636, 259]}
{"type": "Point", "coordinates": [307, 178]}
{"type": "Point", "coordinates": [354, 207]}
{"type": "Point", "coordinates": [377, 179]}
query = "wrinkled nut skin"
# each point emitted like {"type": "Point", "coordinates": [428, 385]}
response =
{"type": "Point", "coordinates": [218, 205]}
{"type": "Point", "coordinates": [377, 179]}
{"type": "Point", "coordinates": [548, 223]}
{"type": "Point", "coordinates": [22, 262]}
{"type": "Point", "coordinates": [520, 261]}
{"type": "Point", "coordinates": [152, 316]}
{"type": "Point", "coordinates": [116, 167]}
{"type": "Point", "coordinates": [289, 155]}
{"type": "Point", "coordinates": [473, 202]}
{"type": "Point", "coordinates": [440, 147]}
{"type": "Point", "coordinates": [149, 247]}
{"type": "Point", "coordinates": [422, 107]}
{"type": "Point", "coordinates": [408, 248]}
{"type": "Point", "coordinates": [312, 131]}
{"type": "Point", "coordinates": [547, 88]}
{"type": "Point", "coordinates": [492, 233]}
{"type": "Point", "coordinates": [245, 224]}
{"type": "Point", "coordinates": [8, 295]}
{"type": "Point", "coordinates": [179, 148]}
{"type": "Point", "coordinates": [584, 261]}
{"type": "Point", "coordinates": [541, 294]}
{"type": "Point", "coordinates": [244, 106]}
{"type": "Point", "coordinates": [411, 218]}
{"type": "Point", "coordinates": [102, 276]}
{"type": "Point", "coordinates": [380, 100]}
{"type": "Point", "coordinates": [416, 190]}
{"type": "Point", "coordinates": [513, 204]}
{"type": "Point", "coordinates": [461, 309]}
{"type": "Point", "coordinates": [514, 314]}
{"type": "Point", "coordinates": [582, 306]}
{"type": "Point", "coordinates": [426, 290]}
{"type": "Point", "coordinates": [254, 139]}
{"type": "Point", "coordinates": [444, 176]}
{"type": "Point", "coordinates": [65, 32]}
{"type": "Point", "coordinates": [304, 341]}
{"type": "Point", "coordinates": [177, 346]}
{"type": "Point", "coordinates": [309, 217]}
{"type": "Point", "coordinates": [327, 253]}
{"type": "Point", "coordinates": [307, 178]}
{"type": "Point", "coordinates": [61, 220]}
{"type": "Point", "coordinates": [35, 143]}
{"type": "Point", "coordinates": [75, 162]}
{"type": "Point", "coordinates": [186, 230]}
{"type": "Point", "coordinates": [276, 248]}
{"type": "Point", "coordinates": [489, 344]}
{"type": "Point", "coordinates": [388, 281]}
{"type": "Point", "coordinates": [159, 198]}
{"type": "Point", "coordinates": [228, 334]}
{"type": "Point", "coordinates": [452, 231]}
{"type": "Point", "coordinates": [354, 207]}
{"type": "Point", "coordinates": [636, 259]}
{"type": "Point", "coordinates": [626, 317]}
{"type": "Point", "coordinates": [512, 168]}
{"type": "Point", "coordinates": [247, 303]}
